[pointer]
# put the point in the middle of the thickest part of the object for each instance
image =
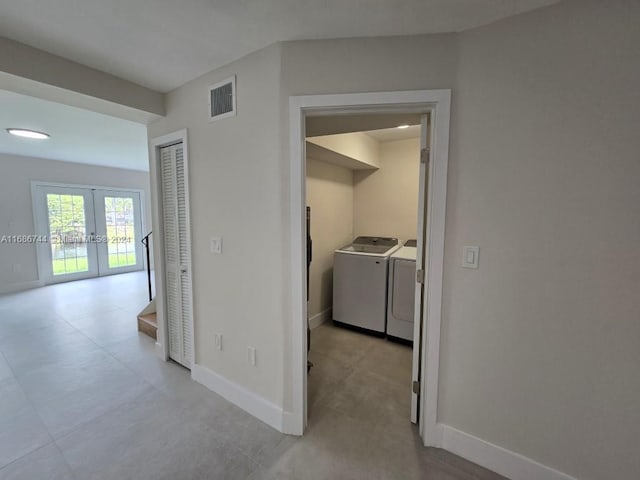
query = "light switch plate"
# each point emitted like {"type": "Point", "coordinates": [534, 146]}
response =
{"type": "Point", "coordinates": [216, 245]}
{"type": "Point", "coordinates": [470, 257]}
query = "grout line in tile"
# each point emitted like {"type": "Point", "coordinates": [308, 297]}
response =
{"type": "Point", "coordinates": [27, 454]}
{"type": "Point", "coordinates": [33, 408]}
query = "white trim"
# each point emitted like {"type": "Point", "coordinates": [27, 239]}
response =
{"type": "Point", "coordinates": [160, 351]}
{"type": "Point", "coordinates": [40, 248]}
{"type": "Point", "coordinates": [256, 405]}
{"type": "Point", "coordinates": [319, 318]}
{"type": "Point", "coordinates": [21, 286]}
{"type": "Point", "coordinates": [419, 287]}
{"type": "Point", "coordinates": [438, 102]}
{"type": "Point", "coordinates": [162, 345]}
{"type": "Point", "coordinates": [297, 193]}
{"type": "Point", "coordinates": [500, 460]}
{"type": "Point", "coordinates": [289, 423]}
{"type": "Point", "coordinates": [434, 263]}
{"type": "Point", "coordinates": [42, 183]}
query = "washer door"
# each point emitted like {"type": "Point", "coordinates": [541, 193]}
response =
{"type": "Point", "coordinates": [402, 299]}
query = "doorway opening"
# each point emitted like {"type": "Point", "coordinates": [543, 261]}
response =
{"type": "Point", "coordinates": [429, 232]}
{"type": "Point", "coordinates": [86, 232]}
{"type": "Point", "coordinates": [364, 186]}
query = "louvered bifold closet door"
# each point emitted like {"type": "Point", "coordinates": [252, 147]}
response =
{"type": "Point", "coordinates": [171, 239]}
{"type": "Point", "coordinates": [184, 259]}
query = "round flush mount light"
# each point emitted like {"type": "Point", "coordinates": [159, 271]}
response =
{"type": "Point", "coordinates": [22, 132]}
{"type": "Point", "coordinates": [402, 127]}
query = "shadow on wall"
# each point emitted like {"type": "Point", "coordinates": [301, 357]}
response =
{"type": "Point", "coordinates": [362, 175]}
{"type": "Point", "coordinates": [326, 286]}
{"type": "Point", "coordinates": [328, 175]}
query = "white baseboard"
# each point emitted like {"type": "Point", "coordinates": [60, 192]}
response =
{"type": "Point", "coordinates": [505, 462]}
{"type": "Point", "coordinates": [291, 424]}
{"type": "Point", "coordinates": [160, 352]}
{"type": "Point", "coordinates": [254, 404]}
{"type": "Point", "coordinates": [19, 287]}
{"type": "Point", "coordinates": [319, 318]}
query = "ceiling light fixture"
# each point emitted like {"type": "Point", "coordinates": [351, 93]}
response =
{"type": "Point", "coordinates": [403, 126]}
{"type": "Point", "coordinates": [22, 132]}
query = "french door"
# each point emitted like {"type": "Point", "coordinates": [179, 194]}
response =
{"type": "Point", "coordinates": [119, 227]}
{"type": "Point", "coordinates": [84, 232]}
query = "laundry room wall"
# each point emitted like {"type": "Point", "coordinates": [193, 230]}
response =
{"type": "Point", "coordinates": [385, 201]}
{"type": "Point", "coordinates": [330, 194]}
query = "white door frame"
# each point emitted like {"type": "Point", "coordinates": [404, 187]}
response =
{"type": "Point", "coordinates": [438, 103]}
{"type": "Point", "coordinates": [162, 342]}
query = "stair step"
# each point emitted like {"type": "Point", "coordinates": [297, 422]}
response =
{"type": "Point", "coordinates": [150, 318]}
{"type": "Point", "coordinates": [148, 324]}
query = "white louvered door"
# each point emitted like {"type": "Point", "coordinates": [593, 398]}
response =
{"type": "Point", "coordinates": [176, 252]}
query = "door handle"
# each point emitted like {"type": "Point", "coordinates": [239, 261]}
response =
{"type": "Point", "coordinates": [183, 270]}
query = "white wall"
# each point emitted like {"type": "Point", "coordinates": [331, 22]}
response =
{"type": "Point", "coordinates": [386, 200]}
{"type": "Point", "coordinates": [330, 194]}
{"type": "Point", "coordinates": [541, 344]}
{"type": "Point", "coordinates": [16, 212]}
{"type": "Point", "coordinates": [539, 352]}
{"type": "Point", "coordinates": [239, 180]}
{"type": "Point", "coordinates": [238, 191]}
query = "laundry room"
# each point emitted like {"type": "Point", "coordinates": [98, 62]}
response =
{"type": "Point", "coordinates": [363, 188]}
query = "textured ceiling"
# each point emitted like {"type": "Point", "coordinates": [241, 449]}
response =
{"type": "Point", "coordinates": [162, 44]}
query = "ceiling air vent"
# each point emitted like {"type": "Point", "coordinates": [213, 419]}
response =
{"type": "Point", "coordinates": [222, 99]}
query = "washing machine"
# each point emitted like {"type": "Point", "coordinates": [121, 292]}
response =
{"type": "Point", "coordinates": [401, 292]}
{"type": "Point", "coordinates": [360, 273]}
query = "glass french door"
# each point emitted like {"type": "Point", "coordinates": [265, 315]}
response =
{"type": "Point", "coordinates": [88, 232]}
{"type": "Point", "coordinates": [119, 230]}
{"type": "Point", "coordinates": [66, 221]}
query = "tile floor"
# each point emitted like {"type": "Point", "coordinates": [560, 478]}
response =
{"type": "Point", "coordinates": [83, 396]}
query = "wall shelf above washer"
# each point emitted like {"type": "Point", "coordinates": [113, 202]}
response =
{"type": "Point", "coordinates": [354, 151]}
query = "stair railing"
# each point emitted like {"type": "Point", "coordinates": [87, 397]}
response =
{"type": "Point", "coordinates": [145, 242]}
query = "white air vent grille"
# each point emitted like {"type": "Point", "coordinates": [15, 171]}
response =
{"type": "Point", "coordinates": [222, 99]}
